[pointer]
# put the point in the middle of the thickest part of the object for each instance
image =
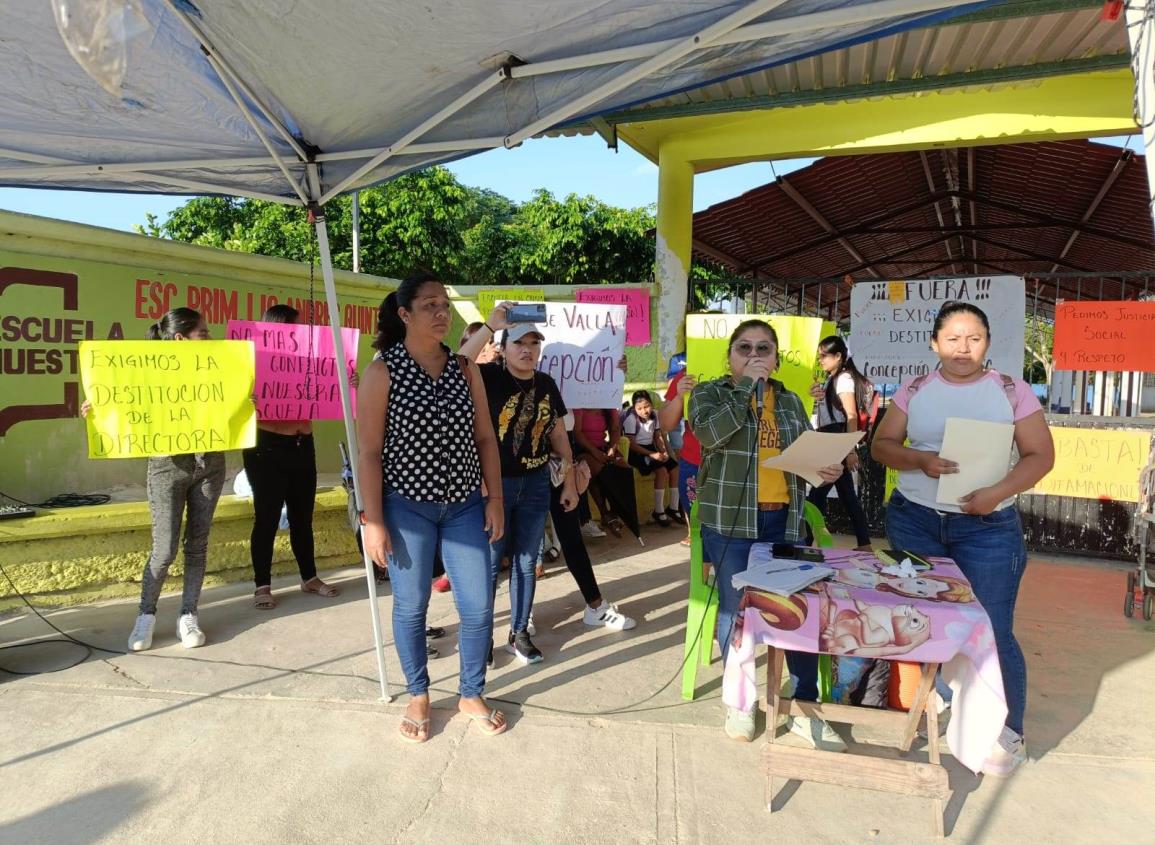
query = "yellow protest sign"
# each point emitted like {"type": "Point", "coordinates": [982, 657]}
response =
{"type": "Point", "coordinates": [1096, 464]}
{"type": "Point", "coordinates": [152, 397]}
{"type": "Point", "coordinates": [708, 338]}
{"type": "Point", "coordinates": [489, 297]}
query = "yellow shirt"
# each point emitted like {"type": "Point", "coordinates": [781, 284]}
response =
{"type": "Point", "coordinates": [771, 482]}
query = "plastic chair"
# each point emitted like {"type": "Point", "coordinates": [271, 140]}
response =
{"type": "Point", "coordinates": [817, 522]}
{"type": "Point", "coordinates": [701, 614]}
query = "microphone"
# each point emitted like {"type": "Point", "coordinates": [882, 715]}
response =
{"type": "Point", "coordinates": [760, 395]}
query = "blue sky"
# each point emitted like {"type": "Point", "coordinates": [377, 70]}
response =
{"type": "Point", "coordinates": [563, 166]}
{"type": "Point", "coordinates": [581, 165]}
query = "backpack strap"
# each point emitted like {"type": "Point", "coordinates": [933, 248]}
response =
{"type": "Point", "coordinates": [466, 370]}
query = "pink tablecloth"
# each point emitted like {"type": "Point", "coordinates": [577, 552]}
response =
{"type": "Point", "coordinates": [863, 613]}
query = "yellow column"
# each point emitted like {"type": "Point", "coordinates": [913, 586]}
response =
{"type": "Point", "coordinates": [672, 252]}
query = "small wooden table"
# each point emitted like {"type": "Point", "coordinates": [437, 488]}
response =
{"type": "Point", "coordinates": [932, 620]}
{"type": "Point", "coordinates": [905, 777]}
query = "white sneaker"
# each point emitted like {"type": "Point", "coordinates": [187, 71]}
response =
{"type": "Point", "coordinates": [739, 724]}
{"type": "Point", "coordinates": [608, 616]}
{"type": "Point", "coordinates": [591, 529]}
{"type": "Point", "coordinates": [189, 631]}
{"type": "Point", "coordinates": [531, 629]}
{"type": "Point", "coordinates": [816, 733]}
{"type": "Point", "coordinates": [1009, 753]}
{"type": "Point", "coordinates": [141, 637]}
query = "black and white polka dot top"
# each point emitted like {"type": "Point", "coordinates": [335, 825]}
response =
{"type": "Point", "coordinates": [429, 454]}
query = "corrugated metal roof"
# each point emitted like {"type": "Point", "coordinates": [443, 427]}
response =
{"type": "Point", "coordinates": [1004, 209]}
{"type": "Point", "coordinates": [1006, 42]}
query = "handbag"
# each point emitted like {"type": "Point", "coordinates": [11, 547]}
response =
{"type": "Point", "coordinates": [557, 470]}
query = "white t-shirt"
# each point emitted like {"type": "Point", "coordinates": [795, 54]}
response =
{"type": "Point", "coordinates": [843, 384]}
{"type": "Point", "coordinates": [934, 402]}
{"type": "Point", "coordinates": [641, 430]}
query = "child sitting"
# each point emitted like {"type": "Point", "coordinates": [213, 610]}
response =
{"type": "Point", "coordinates": [650, 453]}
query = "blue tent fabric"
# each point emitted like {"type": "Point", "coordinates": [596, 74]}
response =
{"type": "Point", "coordinates": [350, 76]}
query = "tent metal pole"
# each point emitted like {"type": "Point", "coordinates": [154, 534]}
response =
{"type": "Point", "coordinates": [350, 432]}
{"type": "Point", "coordinates": [491, 81]}
{"type": "Point", "coordinates": [356, 231]}
{"type": "Point", "coordinates": [1141, 35]}
{"type": "Point", "coordinates": [864, 13]}
{"type": "Point", "coordinates": [210, 51]}
{"type": "Point", "coordinates": [256, 127]}
{"type": "Point", "coordinates": [65, 168]}
{"type": "Point", "coordinates": [683, 47]}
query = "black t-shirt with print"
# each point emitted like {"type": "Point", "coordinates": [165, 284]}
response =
{"type": "Point", "coordinates": [524, 413]}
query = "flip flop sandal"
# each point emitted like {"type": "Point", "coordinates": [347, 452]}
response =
{"type": "Point", "coordinates": [422, 725]}
{"type": "Point", "coordinates": [324, 590]}
{"type": "Point", "coordinates": [263, 599]}
{"type": "Point", "coordinates": [494, 729]}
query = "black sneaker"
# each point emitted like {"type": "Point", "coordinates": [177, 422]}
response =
{"type": "Point", "coordinates": [660, 519]}
{"type": "Point", "coordinates": [522, 647]}
{"type": "Point", "coordinates": [431, 650]}
{"type": "Point", "coordinates": [433, 633]}
{"type": "Point", "coordinates": [676, 516]}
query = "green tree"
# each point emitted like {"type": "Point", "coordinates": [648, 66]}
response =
{"type": "Point", "coordinates": [429, 221]}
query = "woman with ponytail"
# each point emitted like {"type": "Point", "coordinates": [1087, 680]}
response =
{"type": "Point", "coordinates": [426, 442]}
{"type": "Point", "coordinates": [177, 484]}
{"type": "Point", "coordinates": [839, 401]}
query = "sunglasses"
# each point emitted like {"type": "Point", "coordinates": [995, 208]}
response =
{"type": "Point", "coordinates": [762, 350]}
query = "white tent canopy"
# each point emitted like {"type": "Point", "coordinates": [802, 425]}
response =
{"type": "Point", "coordinates": [299, 102]}
{"type": "Point", "coordinates": [236, 98]}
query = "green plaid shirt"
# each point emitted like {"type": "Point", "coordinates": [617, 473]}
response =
{"type": "Point", "coordinates": [723, 418]}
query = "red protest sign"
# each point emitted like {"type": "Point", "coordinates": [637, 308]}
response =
{"type": "Point", "coordinates": [1105, 336]}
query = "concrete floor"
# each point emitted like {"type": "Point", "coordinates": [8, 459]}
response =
{"type": "Point", "coordinates": [273, 732]}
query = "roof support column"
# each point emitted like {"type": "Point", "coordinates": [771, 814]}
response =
{"type": "Point", "coordinates": [1141, 34]}
{"type": "Point", "coordinates": [673, 251]}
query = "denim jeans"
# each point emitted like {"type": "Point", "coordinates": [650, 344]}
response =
{"type": "Point", "coordinates": [178, 484]}
{"type": "Point", "coordinates": [418, 530]}
{"type": "Point", "coordinates": [526, 507]}
{"type": "Point", "coordinates": [731, 555]}
{"type": "Point", "coordinates": [687, 483]}
{"type": "Point", "coordinates": [991, 552]}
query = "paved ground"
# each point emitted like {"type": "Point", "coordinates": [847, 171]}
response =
{"type": "Point", "coordinates": [272, 733]}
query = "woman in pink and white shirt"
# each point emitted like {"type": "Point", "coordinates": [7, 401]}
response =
{"type": "Point", "coordinates": [982, 531]}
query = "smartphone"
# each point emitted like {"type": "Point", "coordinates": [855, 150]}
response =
{"type": "Point", "coordinates": [785, 551]}
{"type": "Point", "coordinates": [526, 312]}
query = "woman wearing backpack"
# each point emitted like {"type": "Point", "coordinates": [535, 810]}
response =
{"type": "Point", "coordinates": [982, 532]}
{"type": "Point", "coordinates": [839, 401]}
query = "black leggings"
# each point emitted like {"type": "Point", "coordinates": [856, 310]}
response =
{"type": "Point", "coordinates": [849, 498]}
{"type": "Point", "coordinates": [282, 469]}
{"type": "Point", "coordinates": [567, 525]}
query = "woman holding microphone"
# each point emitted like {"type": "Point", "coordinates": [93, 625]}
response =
{"type": "Point", "coordinates": [741, 502]}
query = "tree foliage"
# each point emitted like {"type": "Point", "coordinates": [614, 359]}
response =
{"type": "Point", "coordinates": [429, 221]}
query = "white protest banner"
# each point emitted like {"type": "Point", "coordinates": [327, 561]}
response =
{"type": "Point", "coordinates": [583, 344]}
{"type": "Point", "coordinates": [891, 323]}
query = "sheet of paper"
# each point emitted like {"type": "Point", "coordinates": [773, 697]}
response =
{"type": "Point", "coordinates": [781, 577]}
{"type": "Point", "coordinates": [812, 451]}
{"type": "Point", "coordinates": [982, 451]}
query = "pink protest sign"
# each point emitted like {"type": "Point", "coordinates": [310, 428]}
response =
{"type": "Point", "coordinates": [296, 369]}
{"type": "Point", "coordinates": [637, 302]}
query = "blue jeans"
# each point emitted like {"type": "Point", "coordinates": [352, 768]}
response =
{"type": "Point", "coordinates": [991, 552]}
{"type": "Point", "coordinates": [526, 507]}
{"type": "Point", "coordinates": [687, 483]}
{"type": "Point", "coordinates": [731, 555]}
{"type": "Point", "coordinates": [457, 529]}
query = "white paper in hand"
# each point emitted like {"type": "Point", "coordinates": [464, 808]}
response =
{"type": "Point", "coordinates": [982, 451]}
{"type": "Point", "coordinates": [813, 451]}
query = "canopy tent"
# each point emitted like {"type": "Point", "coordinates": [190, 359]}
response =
{"type": "Point", "coordinates": [295, 103]}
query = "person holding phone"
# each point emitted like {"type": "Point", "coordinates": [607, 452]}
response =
{"type": "Point", "coordinates": [426, 441]}
{"type": "Point", "coordinates": [741, 502]}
